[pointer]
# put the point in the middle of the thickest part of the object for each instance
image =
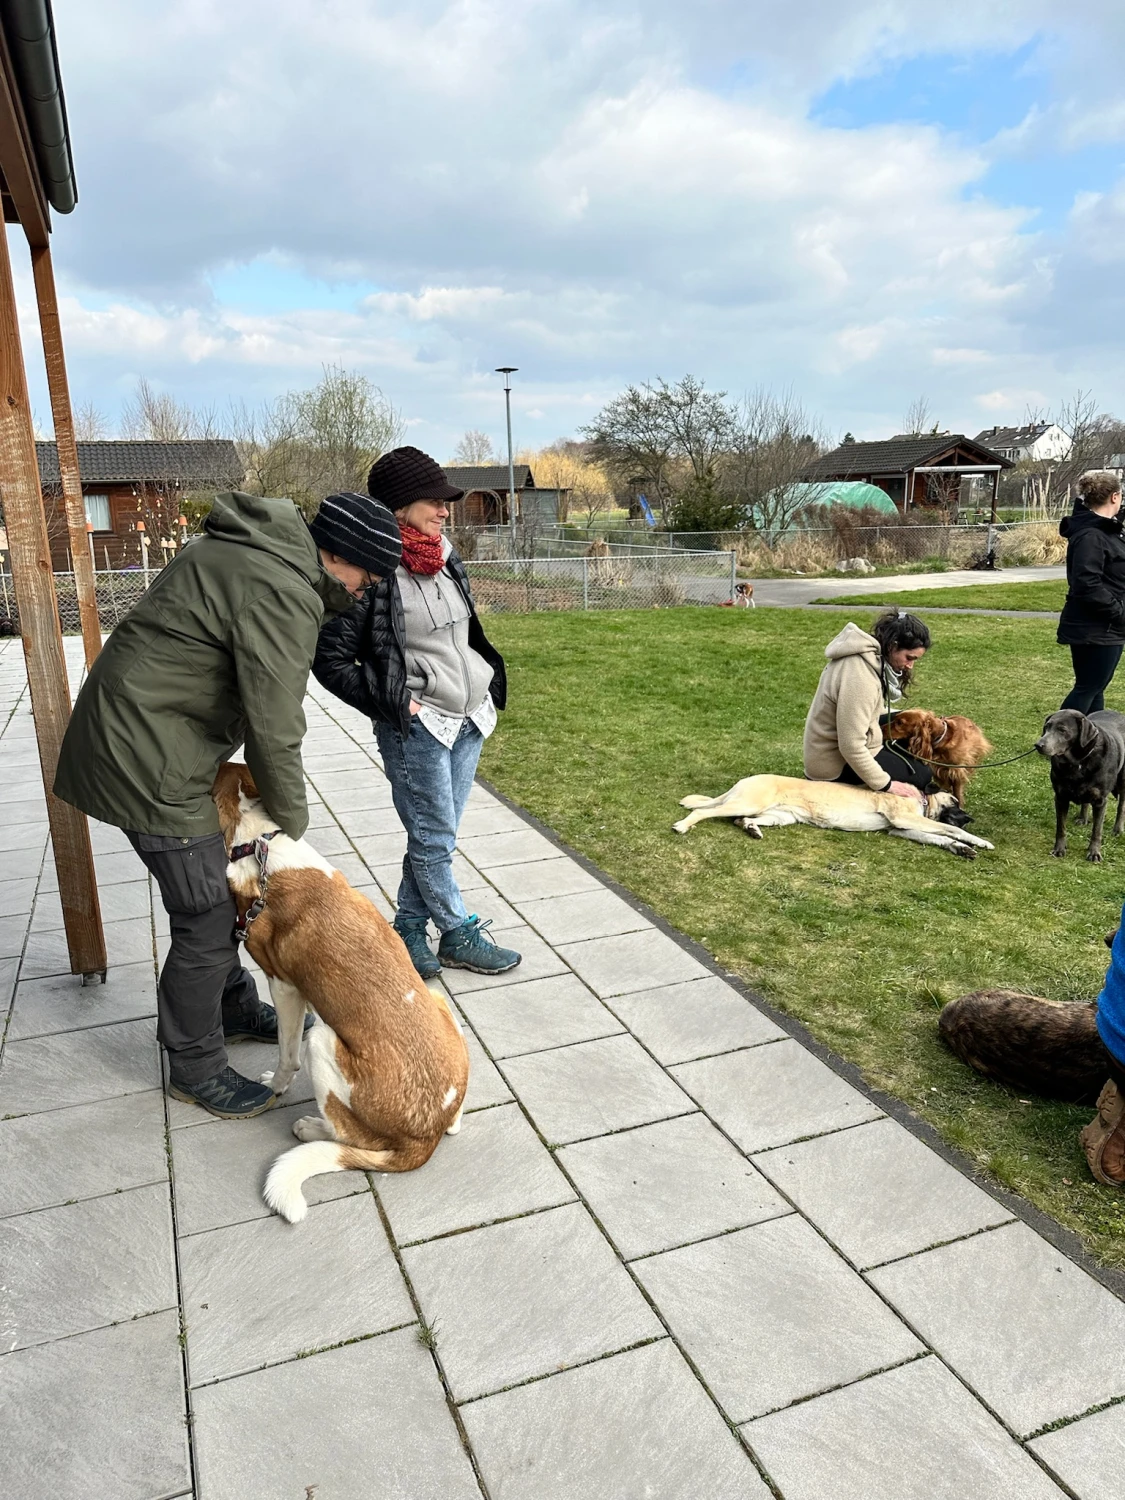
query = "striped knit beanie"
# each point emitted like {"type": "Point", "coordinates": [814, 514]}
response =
{"type": "Point", "coordinates": [359, 530]}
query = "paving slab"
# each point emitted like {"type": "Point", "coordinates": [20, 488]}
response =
{"type": "Point", "coordinates": [1089, 1455]}
{"type": "Point", "coordinates": [13, 935]}
{"type": "Point", "coordinates": [129, 899]}
{"type": "Point", "coordinates": [525, 1298]}
{"type": "Point", "coordinates": [545, 877]}
{"type": "Point", "coordinates": [914, 1433]}
{"type": "Point", "coordinates": [772, 1314]}
{"type": "Point", "coordinates": [259, 1293]}
{"type": "Point", "coordinates": [93, 1149]}
{"type": "Point", "coordinates": [680, 1022]}
{"type": "Point", "coordinates": [538, 960]}
{"type": "Point", "coordinates": [61, 1002]}
{"type": "Point", "coordinates": [17, 896]}
{"type": "Point", "coordinates": [490, 906]}
{"type": "Point", "coordinates": [486, 1087]}
{"type": "Point", "coordinates": [127, 942]}
{"type": "Point", "coordinates": [66, 1270]}
{"type": "Point", "coordinates": [381, 848]}
{"type": "Point", "coordinates": [637, 1424]}
{"type": "Point", "coordinates": [27, 811]}
{"type": "Point", "coordinates": [99, 1414]}
{"type": "Point", "coordinates": [366, 821]}
{"type": "Point", "coordinates": [366, 1422]}
{"type": "Point", "coordinates": [490, 817]}
{"type": "Point", "coordinates": [594, 1087]}
{"type": "Point", "coordinates": [78, 1067]}
{"type": "Point", "coordinates": [24, 864]}
{"type": "Point", "coordinates": [524, 846]}
{"type": "Point", "coordinates": [585, 914]}
{"type": "Point", "coordinates": [533, 1016]}
{"type": "Point", "coordinates": [634, 961]}
{"type": "Point", "coordinates": [330, 841]}
{"type": "Point", "coordinates": [771, 1095]}
{"type": "Point", "coordinates": [495, 1168]}
{"type": "Point", "coordinates": [23, 835]}
{"type": "Point", "coordinates": [353, 794]}
{"type": "Point", "coordinates": [878, 1193]}
{"type": "Point", "coordinates": [1034, 1336]}
{"type": "Point", "coordinates": [9, 968]}
{"type": "Point", "coordinates": [221, 1167]}
{"type": "Point", "coordinates": [669, 1184]}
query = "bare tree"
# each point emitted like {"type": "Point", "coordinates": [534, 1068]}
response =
{"type": "Point", "coordinates": [919, 418]}
{"type": "Point", "coordinates": [90, 423]}
{"type": "Point", "coordinates": [158, 417]}
{"type": "Point", "coordinates": [474, 447]}
{"type": "Point", "coordinates": [774, 442]}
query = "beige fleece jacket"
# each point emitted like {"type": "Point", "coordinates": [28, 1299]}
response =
{"type": "Point", "coordinates": [843, 719]}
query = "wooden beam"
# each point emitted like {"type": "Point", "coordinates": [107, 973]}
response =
{"type": "Point", "coordinates": [30, 554]}
{"type": "Point", "coordinates": [67, 450]}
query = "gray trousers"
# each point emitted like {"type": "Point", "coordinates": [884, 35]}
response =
{"type": "Point", "coordinates": [202, 983]}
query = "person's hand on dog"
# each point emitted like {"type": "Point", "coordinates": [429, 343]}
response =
{"type": "Point", "coordinates": [904, 789]}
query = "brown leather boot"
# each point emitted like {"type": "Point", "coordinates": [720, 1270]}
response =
{"type": "Point", "coordinates": [1103, 1140]}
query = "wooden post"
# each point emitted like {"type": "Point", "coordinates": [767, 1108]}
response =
{"type": "Point", "coordinates": [67, 450]}
{"type": "Point", "coordinates": [30, 553]}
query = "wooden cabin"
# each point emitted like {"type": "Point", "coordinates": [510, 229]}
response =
{"type": "Point", "coordinates": [916, 470]}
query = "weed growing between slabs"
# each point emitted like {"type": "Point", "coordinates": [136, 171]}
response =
{"type": "Point", "coordinates": [615, 716]}
{"type": "Point", "coordinates": [1043, 596]}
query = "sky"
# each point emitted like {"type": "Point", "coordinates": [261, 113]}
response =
{"type": "Point", "coordinates": [860, 201]}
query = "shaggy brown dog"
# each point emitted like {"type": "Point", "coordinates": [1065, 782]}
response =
{"type": "Point", "coordinates": [953, 743]}
{"type": "Point", "coordinates": [1048, 1047]}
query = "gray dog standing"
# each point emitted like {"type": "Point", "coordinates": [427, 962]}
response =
{"type": "Point", "coordinates": [1087, 755]}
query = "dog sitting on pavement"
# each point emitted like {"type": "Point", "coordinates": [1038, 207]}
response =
{"type": "Point", "coordinates": [387, 1056]}
{"type": "Point", "coordinates": [1087, 755]}
{"type": "Point", "coordinates": [759, 802]}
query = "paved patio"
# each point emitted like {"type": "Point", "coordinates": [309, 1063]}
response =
{"type": "Point", "coordinates": [672, 1254]}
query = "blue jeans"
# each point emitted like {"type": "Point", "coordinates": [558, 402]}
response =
{"type": "Point", "coordinates": [430, 786]}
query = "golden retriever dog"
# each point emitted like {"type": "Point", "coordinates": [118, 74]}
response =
{"type": "Point", "coordinates": [773, 801]}
{"type": "Point", "coordinates": [387, 1056]}
{"type": "Point", "coordinates": [953, 743]}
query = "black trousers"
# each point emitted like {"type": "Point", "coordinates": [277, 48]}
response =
{"type": "Point", "coordinates": [1094, 667]}
{"type": "Point", "coordinates": [202, 983]}
{"type": "Point", "coordinates": [899, 767]}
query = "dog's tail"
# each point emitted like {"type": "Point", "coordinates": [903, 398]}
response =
{"type": "Point", "coordinates": [696, 801]}
{"type": "Point", "coordinates": [283, 1185]}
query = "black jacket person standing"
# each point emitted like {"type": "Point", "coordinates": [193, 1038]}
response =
{"type": "Point", "coordinates": [1092, 622]}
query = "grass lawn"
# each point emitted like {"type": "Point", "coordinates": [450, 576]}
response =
{"type": "Point", "coordinates": [615, 716]}
{"type": "Point", "coordinates": [1045, 596]}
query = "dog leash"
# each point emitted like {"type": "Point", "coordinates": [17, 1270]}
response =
{"type": "Point", "coordinates": [984, 765]}
{"type": "Point", "coordinates": [260, 848]}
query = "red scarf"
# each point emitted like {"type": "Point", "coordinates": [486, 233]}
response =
{"type": "Point", "coordinates": [421, 553]}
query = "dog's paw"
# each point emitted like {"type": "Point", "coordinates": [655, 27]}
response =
{"type": "Point", "coordinates": [963, 851]}
{"type": "Point", "coordinates": [1094, 856]}
{"type": "Point", "coordinates": [279, 1082]}
{"type": "Point", "coordinates": [680, 827]}
{"type": "Point", "coordinates": [266, 1078]}
{"type": "Point", "coordinates": [1057, 853]}
{"type": "Point", "coordinates": [310, 1128]}
{"type": "Point", "coordinates": [751, 828]}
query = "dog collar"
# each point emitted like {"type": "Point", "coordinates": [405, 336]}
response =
{"type": "Point", "coordinates": [942, 735]}
{"type": "Point", "coordinates": [240, 851]}
{"type": "Point", "coordinates": [260, 848]}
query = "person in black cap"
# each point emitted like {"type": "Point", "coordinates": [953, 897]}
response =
{"type": "Point", "coordinates": [217, 653]}
{"type": "Point", "coordinates": [415, 658]}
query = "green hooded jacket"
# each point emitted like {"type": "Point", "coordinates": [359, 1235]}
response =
{"type": "Point", "coordinates": [216, 654]}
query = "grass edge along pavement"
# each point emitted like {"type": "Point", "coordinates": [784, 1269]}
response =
{"type": "Point", "coordinates": [1047, 597]}
{"type": "Point", "coordinates": [614, 716]}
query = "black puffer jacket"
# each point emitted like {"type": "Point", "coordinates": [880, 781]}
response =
{"type": "Point", "coordinates": [1094, 612]}
{"type": "Point", "coordinates": [361, 656]}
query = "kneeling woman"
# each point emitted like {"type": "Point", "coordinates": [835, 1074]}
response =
{"type": "Point", "coordinates": [414, 657]}
{"type": "Point", "coordinates": [865, 676]}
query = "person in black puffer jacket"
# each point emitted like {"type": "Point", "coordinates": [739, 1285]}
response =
{"type": "Point", "coordinates": [1092, 622]}
{"type": "Point", "coordinates": [415, 658]}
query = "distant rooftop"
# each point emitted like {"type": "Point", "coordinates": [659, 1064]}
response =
{"type": "Point", "coordinates": [895, 455]}
{"type": "Point", "coordinates": [488, 477]}
{"type": "Point", "coordinates": [1013, 437]}
{"type": "Point", "coordinates": [204, 462]}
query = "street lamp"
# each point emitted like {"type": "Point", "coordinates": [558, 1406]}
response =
{"type": "Point", "coordinates": [507, 371]}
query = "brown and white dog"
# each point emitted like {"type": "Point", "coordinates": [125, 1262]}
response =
{"type": "Point", "coordinates": [387, 1056]}
{"type": "Point", "coordinates": [760, 802]}
{"type": "Point", "coordinates": [954, 744]}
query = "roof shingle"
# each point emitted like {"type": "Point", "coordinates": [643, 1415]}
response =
{"type": "Point", "coordinates": [488, 477]}
{"type": "Point", "coordinates": [895, 455]}
{"type": "Point", "coordinates": [204, 462]}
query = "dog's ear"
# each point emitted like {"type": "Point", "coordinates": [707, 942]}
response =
{"type": "Point", "coordinates": [1087, 734]}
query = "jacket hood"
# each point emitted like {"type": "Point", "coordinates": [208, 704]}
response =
{"type": "Point", "coordinates": [1082, 519]}
{"type": "Point", "coordinates": [278, 528]}
{"type": "Point", "coordinates": [852, 642]}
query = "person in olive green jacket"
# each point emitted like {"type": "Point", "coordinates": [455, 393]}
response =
{"type": "Point", "coordinates": [217, 653]}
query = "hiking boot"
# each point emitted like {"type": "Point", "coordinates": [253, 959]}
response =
{"type": "Point", "coordinates": [256, 1026]}
{"type": "Point", "coordinates": [226, 1094]}
{"type": "Point", "coordinates": [469, 947]}
{"type": "Point", "coordinates": [413, 934]}
{"type": "Point", "coordinates": [1103, 1140]}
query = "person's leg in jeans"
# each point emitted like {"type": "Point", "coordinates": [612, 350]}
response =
{"type": "Point", "coordinates": [420, 770]}
{"type": "Point", "coordinates": [202, 983]}
{"type": "Point", "coordinates": [1094, 667]}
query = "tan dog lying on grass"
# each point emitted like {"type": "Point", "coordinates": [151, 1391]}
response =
{"type": "Point", "coordinates": [773, 801]}
{"type": "Point", "coordinates": [388, 1060]}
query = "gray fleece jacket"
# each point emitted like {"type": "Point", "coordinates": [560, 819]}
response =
{"type": "Point", "coordinates": [843, 719]}
{"type": "Point", "coordinates": [442, 669]}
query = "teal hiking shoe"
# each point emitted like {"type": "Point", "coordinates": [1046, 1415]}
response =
{"type": "Point", "coordinates": [469, 947]}
{"type": "Point", "coordinates": [413, 935]}
{"type": "Point", "coordinates": [226, 1094]}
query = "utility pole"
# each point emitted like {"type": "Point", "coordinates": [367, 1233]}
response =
{"type": "Point", "coordinates": [508, 371]}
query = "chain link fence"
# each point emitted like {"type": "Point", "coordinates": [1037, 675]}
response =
{"type": "Point", "coordinates": [637, 579]}
{"type": "Point", "coordinates": [117, 593]}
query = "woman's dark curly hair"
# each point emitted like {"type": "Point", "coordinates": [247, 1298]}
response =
{"type": "Point", "coordinates": [895, 630]}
